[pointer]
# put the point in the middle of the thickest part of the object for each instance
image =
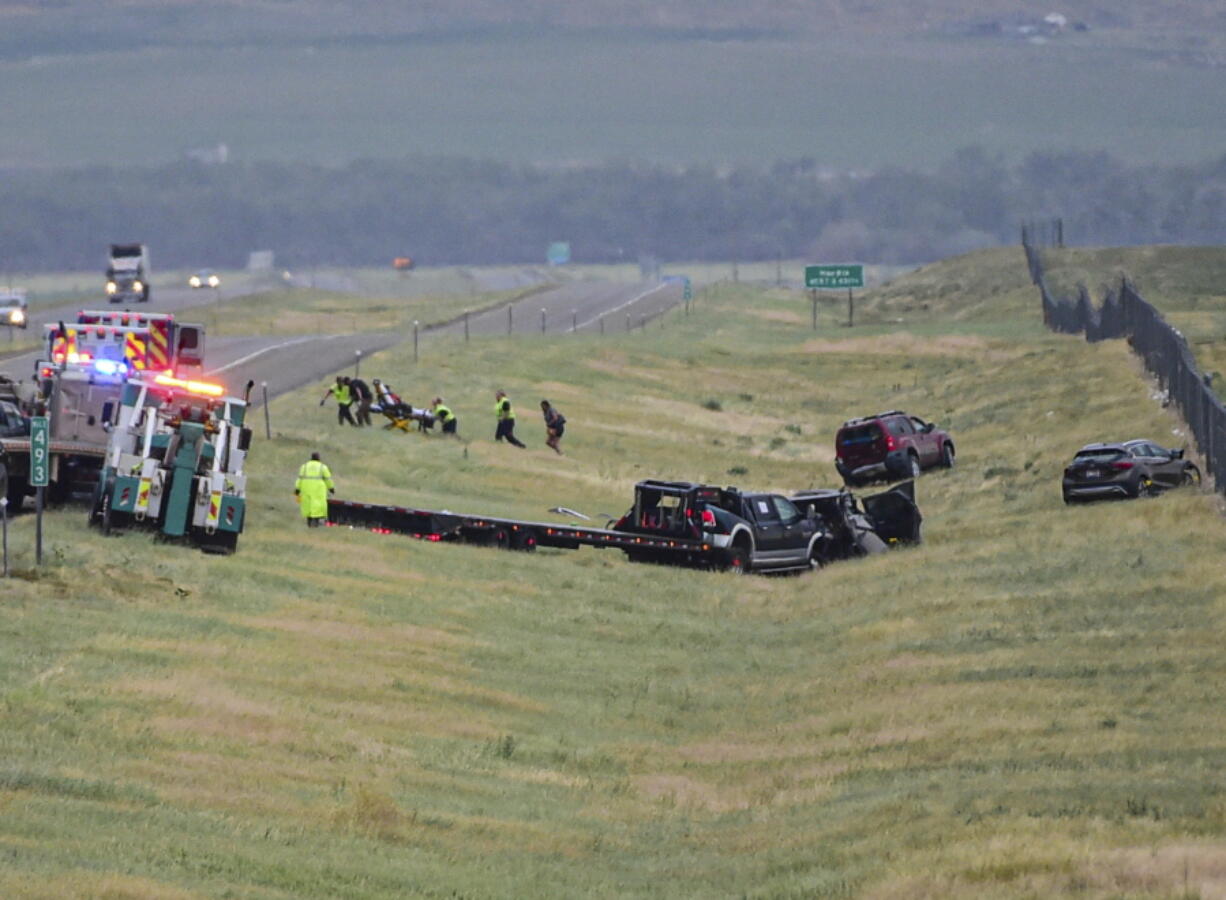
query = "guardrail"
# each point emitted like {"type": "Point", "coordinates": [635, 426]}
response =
{"type": "Point", "coordinates": [1124, 313]}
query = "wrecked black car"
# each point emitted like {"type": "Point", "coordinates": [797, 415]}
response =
{"type": "Point", "coordinates": [859, 527]}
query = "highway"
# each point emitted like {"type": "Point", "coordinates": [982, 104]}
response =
{"type": "Point", "coordinates": [287, 362]}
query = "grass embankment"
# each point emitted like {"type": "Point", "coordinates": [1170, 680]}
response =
{"type": "Point", "coordinates": [1026, 705]}
{"type": "Point", "coordinates": [1184, 283]}
{"type": "Point", "coordinates": [310, 311]}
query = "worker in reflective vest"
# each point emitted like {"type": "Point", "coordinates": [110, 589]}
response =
{"type": "Point", "coordinates": [312, 488]}
{"type": "Point", "coordinates": [444, 414]}
{"type": "Point", "coordinates": [506, 419]}
{"type": "Point", "coordinates": [344, 397]}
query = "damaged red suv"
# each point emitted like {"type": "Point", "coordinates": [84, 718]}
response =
{"type": "Point", "coordinates": [890, 445]}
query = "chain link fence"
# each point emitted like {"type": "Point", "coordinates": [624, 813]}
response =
{"type": "Point", "coordinates": [1126, 314]}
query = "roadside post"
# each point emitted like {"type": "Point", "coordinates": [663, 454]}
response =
{"type": "Point", "coordinates": [40, 476]}
{"type": "Point", "coordinates": [357, 363]}
{"type": "Point", "coordinates": [627, 321]}
{"type": "Point", "coordinates": [267, 415]}
{"type": "Point", "coordinates": [687, 294]}
{"type": "Point", "coordinates": [542, 320]}
{"type": "Point", "coordinates": [466, 326]}
{"type": "Point", "coordinates": [835, 277]}
{"type": "Point", "coordinates": [574, 320]}
{"type": "Point", "coordinates": [602, 324]}
{"type": "Point", "coordinates": [4, 514]}
{"type": "Point", "coordinates": [813, 297]}
{"type": "Point", "coordinates": [510, 320]}
{"type": "Point", "coordinates": [415, 340]}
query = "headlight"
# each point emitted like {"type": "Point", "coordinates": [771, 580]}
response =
{"type": "Point", "coordinates": [111, 287]}
{"type": "Point", "coordinates": [138, 285]}
{"type": "Point", "coordinates": [17, 317]}
{"type": "Point", "coordinates": [194, 281]}
{"type": "Point", "coordinates": [214, 281]}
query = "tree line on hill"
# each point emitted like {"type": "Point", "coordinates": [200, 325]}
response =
{"type": "Point", "coordinates": [444, 211]}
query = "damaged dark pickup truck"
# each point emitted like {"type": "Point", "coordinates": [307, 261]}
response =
{"type": "Point", "coordinates": [749, 531]}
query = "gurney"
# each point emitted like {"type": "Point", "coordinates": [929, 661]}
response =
{"type": "Point", "coordinates": [403, 415]}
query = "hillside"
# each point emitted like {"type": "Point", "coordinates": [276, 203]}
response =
{"type": "Point", "coordinates": [1025, 705]}
{"type": "Point", "coordinates": [184, 20]}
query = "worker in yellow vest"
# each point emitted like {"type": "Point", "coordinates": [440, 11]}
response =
{"type": "Point", "coordinates": [442, 412]}
{"type": "Point", "coordinates": [312, 488]}
{"type": "Point", "coordinates": [506, 419]}
{"type": "Point", "coordinates": [344, 398]}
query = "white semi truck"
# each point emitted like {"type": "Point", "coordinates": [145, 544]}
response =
{"type": "Point", "coordinates": [127, 274]}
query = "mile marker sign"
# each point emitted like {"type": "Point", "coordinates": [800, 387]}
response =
{"type": "Point", "coordinates": [834, 277]}
{"type": "Point", "coordinates": [40, 455]}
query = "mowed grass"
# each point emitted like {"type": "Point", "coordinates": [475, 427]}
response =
{"type": "Point", "coordinates": [1026, 705]}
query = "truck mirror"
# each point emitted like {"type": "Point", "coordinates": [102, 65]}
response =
{"type": "Point", "coordinates": [108, 410]}
{"type": "Point", "coordinates": [244, 439]}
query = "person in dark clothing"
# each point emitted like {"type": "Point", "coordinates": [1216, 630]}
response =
{"type": "Point", "coordinates": [360, 391]}
{"type": "Point", "coordinates": [344, 398]}
{"type": "Point", "coordinates": [506, 419]}
{"type": "Point", "coordinates": [555, 424]}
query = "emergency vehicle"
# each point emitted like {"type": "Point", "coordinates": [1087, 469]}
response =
{"type": "Point", "coordinates": [79, 385]}
{"type": "Point", "coordinates": [174, 463]}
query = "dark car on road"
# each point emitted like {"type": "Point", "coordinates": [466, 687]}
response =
{"type": "Point", "coordinates": [889, 446]}
{"type": "Point", "coordinates": [1125, 469]}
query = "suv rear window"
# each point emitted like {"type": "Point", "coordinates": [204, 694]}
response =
{"type": "Point", "coordinates": [859, 434]}
{"type": "Point", "coordinates": [1101, 455]}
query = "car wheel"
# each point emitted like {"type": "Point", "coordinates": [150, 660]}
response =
{"type": "Point", "coordinates": [1068, 498]}
{"type": "Point", "coordinates": [914, 463]}
{"type": "Point", "coordinates": [947, 456]}
{"type": "Point", "coordinates": [817, 559]}
{"type": "Point", "coordinates": [738, 560]}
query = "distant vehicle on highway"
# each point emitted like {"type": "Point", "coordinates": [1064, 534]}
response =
{"type": "Point", "coordinates": [14, 310]}
{"type": "Point", "coordinates": [890, 445]}
{"type": "Point", "coordinates": [205, 278]}
{"type": "Point", "coordinates": [1125, 469]}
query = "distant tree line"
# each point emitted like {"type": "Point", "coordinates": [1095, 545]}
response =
{"type": "Point", "coordinates": [461, 211]}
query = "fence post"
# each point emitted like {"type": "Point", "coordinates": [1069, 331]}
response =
{"type": "Point", "coordinates": [510, 319]}
{"type": "Point", "coordinates": [267, 415]}
{"type": "Point", "coordinates": [627, 321]}
{"type": "Point", "coordinates": [602, 324]}
{"type": "Point", "coordinates": [574, 320]}
{"type": "Point", "coordinates": [466, 326]}
{"type": "Point", "coordinates": [414, 340]}
{"type": "Point", "coordinates": [542, 320]}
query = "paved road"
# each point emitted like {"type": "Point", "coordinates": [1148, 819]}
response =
{"type": "Point", "coordinates": [287, 362]}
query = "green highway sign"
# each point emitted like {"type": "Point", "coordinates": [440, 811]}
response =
{"type": "Point", "coordinates": [688, 291]}
{"type": "Point", "coordinates": [834, 277]}
{"type": "Point", "coordinates": [40, 452]}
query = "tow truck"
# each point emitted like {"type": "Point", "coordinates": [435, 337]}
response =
{"type": "Point", "coordinates": [174, 463]}
{"type": "Point", "coordinates": [78, 383]}
{"type": "Point", "coordinates": [677, 523]}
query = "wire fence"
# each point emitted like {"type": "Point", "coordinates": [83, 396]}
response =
{"type": "Point", "coordinates": [1124, 313]}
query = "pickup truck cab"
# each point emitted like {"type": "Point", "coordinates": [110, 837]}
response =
{"type": "Point", "coordinates": [746, 531]}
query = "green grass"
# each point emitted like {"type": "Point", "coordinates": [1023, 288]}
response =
{"type": "Point", "coordinates": [560, 98]}
{"type": "Point", "coordinates": [1184, 283]}
{"type": "Point", "coordinates": [1026, 705]}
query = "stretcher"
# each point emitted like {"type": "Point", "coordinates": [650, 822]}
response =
{"type": "Point", "coordinates": [402, 416]}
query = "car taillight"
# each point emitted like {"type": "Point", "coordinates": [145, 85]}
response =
{"type": "Point", "coordinates": [889, 442]}
{"type": "Point", "coordinates": [708, 518]}
{"type": "Point", "coordinates": [1121, 465]}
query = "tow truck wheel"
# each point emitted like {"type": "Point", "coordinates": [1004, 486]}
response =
{"type": "Point", "coordinates": [105, 513]}
{"type": "Point", "coordinates": [816, 558]}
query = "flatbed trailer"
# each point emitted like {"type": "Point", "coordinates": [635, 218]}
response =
{"type": "Point", "coordinates": [516, 534]}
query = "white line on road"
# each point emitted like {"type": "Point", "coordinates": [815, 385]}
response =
{"type": "Point", "coordinates": [609, 312]}
{"type": "Point", "coordinates": [261, 352]}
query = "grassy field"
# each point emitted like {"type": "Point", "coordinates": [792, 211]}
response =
{"type": "Point", "coordinates": [1024, 706]}
{"type": "Point", "coordinates": [1185, 283]}
{"type": "Point", "coordinates": [561, 98]}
